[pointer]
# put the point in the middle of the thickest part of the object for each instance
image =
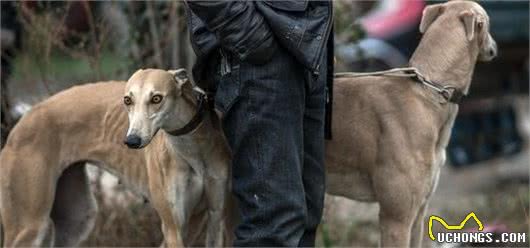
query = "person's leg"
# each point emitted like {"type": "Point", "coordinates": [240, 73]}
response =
{"type": "Point", "coordinates": [264, 130]}
{"type": "Point", "coordinates": [313, 169]}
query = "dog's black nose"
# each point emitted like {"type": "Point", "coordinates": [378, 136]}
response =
{"type": "Point", "coordinates": [493, 50]}
{"type": "Point", "coordinates": [493, 53]}
{"type": "Point", "coordinates": [133, 141]}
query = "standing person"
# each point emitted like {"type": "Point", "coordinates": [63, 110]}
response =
{"type": "Point", "coordinates": [268, 62]}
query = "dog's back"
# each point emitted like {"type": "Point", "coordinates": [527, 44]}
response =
{"type": "Point", "coordinates": [64, 110]}
{"type": "Point", "coordinates": [42, 165]}
{"type": "Point", "coordinates": [368, 107]}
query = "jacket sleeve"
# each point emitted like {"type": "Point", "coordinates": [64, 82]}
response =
{"type": "Point", "coordinates": [240, 28]}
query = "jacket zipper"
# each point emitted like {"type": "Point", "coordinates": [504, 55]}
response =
{"type": "Point", "coordinates": [226, 67]}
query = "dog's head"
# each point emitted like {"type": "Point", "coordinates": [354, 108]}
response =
{"type": "Point", "coordinates": [150, 98]}
{"type": "Point", "coordinates": [471, 17]}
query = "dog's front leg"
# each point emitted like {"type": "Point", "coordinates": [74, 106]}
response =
{"type": "Point", "coordinates": [172, 237]}
{"type": "Point", "coordinates": [217, 195]}
{"type": "Point", "coordinates": [186, 196]}
{"type": "Point", "coordinates": [168, 189]}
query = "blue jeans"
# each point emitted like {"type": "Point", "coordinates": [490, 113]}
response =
{"type": "Point", "coordinates": [274, 124]}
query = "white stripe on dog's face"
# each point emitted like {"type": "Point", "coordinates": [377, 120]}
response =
{"type": "Point", "coordinates": [148, 98]}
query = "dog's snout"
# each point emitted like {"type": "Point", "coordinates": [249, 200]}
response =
{"type": "Point", "coordinates": [133, 141]}
{"type": "Point", "coordinates": [493, 50]}
{"type": "Point", "coordinates": [489, 50]}
{"type": "Point", "coordinates": [492, 53]}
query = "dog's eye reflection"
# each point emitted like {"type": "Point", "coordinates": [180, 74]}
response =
{"type": "Point", "coordinates": [156, 99]}
{"type": "Point", "coordinates": [127, 100]}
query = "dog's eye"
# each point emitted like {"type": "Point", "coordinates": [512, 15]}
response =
{"type": "Point", "coordinates": [156, 99]}
{"type": "Point", "coordinates": [480, 25]}
{"type": "Point", "coordinates": [127, 100]}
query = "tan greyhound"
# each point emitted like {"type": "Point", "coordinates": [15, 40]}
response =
{"type": "Point", "coordinates": [189, 161]}
{"type": "Point", "coordinates": [45, 199]}
{"type": "Point", "coordinates": [390, 133]}
{"type": "Point", "coordinates": [389, 141]}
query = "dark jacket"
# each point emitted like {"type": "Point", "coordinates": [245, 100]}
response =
{"type": "Point", "coordinates": [252, 30]}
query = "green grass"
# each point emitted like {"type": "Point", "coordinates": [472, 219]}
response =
{"type": "Point", "coordinates": [61, 67]}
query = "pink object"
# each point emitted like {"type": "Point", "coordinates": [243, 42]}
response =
{"type": "Point", "coordinates": [392, 16]}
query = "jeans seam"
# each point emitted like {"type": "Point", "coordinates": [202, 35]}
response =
{"type": "Point", "coordinates": [245, 89]}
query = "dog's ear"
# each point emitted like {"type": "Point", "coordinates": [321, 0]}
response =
{"type": "Point", "coordinates": [430, 13]}
{"type": "Point", "coordinates": [180, 75]}
{"type": "Point", "coordinates": [469, 19]}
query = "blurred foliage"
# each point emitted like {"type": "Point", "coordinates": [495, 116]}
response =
{"type": "Point", "coordinates": [346, 26]}
{"type": "Point", "coordinates": [120, 37]}
{"type": "Point", "coordinates": [46, 33]}
{"type": "Point", "coordinates": [326, 240]}
{"type": "Point", "coordinates": [96, 41]}
{"type": "Point", "coordinates": [158, 34]}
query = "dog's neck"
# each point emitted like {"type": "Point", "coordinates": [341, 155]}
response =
{"type": "Point", "coordinates": [183, 112]}
{"type": "Point", "coordinates": [445, 57]}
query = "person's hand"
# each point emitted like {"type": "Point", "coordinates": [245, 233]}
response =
{"type": "Point", "coordinates": [239, 27]}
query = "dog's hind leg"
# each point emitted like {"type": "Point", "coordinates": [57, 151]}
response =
{"type": "Point", "coordinates": [74, 210]}
{"type": "Point", "coordinates": [26, 190]}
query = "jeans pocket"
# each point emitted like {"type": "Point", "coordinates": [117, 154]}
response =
{"type": "Point", "coordinates": [228, 88]}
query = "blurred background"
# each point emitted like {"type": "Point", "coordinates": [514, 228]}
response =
{"type": "Point", "coordinates": [50, 46]}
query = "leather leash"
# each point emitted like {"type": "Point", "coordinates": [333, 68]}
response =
{"type": "Point", "coordinates": [449, 93]}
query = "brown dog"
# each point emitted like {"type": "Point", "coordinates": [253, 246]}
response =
{"type": "Point", "coordinates": [188, 163]}
{"type": "Point", "coordinates": [390, 133]}
{"type": "Point", "coordinates": [45, 199]}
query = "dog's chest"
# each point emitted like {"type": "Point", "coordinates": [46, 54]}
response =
{"type": "Point", "coordinates": [189, 154]}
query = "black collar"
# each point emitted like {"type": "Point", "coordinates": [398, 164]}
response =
{"type": "Point", "coordinates": [453, 95]}
{"type": "Point", "coordinates": [202, 100]}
